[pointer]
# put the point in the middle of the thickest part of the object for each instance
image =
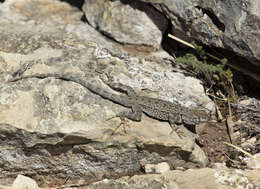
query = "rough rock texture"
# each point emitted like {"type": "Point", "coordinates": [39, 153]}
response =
{"type": "Point", "coordinates": [215, 178]}
{"type": "Point", "coordinates": [59, 133]}
{"type": "Point", "coordinates": [59, 109]}
{"type": "Point", "coordinates": [53, 129]}
{"type": "Point", "coordinates": [232, 25]}
{"type": "Point", "coordinates": [219, 178]}
{"type": "Point", "coordinates": [129, 23]}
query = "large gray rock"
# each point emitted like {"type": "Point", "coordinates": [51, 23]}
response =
{"type": "Point", "coordinates": [135, 23]}
{"type": "Point", "coordinates": [231, 25]}
{"type": "Point", "coordinates": [75, 119]}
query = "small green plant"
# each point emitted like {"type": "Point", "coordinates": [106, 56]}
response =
{"type": "Point", "coordinates": [205, 67]}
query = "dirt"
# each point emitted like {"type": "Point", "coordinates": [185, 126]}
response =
{"type": "Point", "coordinates": [245, 134]}
{"type": "Point", "coordinates": [211, 138]}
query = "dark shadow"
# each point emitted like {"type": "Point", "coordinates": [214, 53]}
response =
{"type": "Point", "coordinates": [173, 47]}
{"type": "Point", "coordinates": [247, 83]}
{"type": "Point", "coordinates": [84, 19]}
{"type": "Point", "coordinates": [2, 1]}
{"type": "Point", "coordinates": [213, 17]}
{"type": "Point", "coordinates": [74, 3]}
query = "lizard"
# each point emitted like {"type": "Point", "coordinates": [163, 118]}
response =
{"type": "Point", "coordinates": [155, 108]}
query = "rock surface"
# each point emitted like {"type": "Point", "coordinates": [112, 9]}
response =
{"type": "Point", "coordinates": [219, 178]}
{"type": "Point", "coordinates": [52, 128]}
{"type": "Point", "coordinates": [216, 178]}
{"type": "Point", "coordinates": [58, 132]}
{"type": "Point", "coordinates": [22, 182]}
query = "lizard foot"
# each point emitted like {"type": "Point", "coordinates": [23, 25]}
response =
{"type": "Point", "coordinates": [123, 123]}
{"type": "Point", "coordinates": [177, 130]}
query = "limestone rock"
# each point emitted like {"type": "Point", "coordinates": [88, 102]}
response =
{"type": "Point", "coordinates": [23, 182]}
{"type": "Point", "coordinates": [52, 128]}
{"type": "Point", "coordinates": [156, 168]}
{"type": "Point", "coordinates": [222, 178]}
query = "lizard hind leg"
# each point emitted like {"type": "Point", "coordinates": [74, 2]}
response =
{"type": "Point", "coordinates": [177, 129]}
{"type": "Point", "coordinates": [123, 123]}
{"type": "Point", "coordinates": [177, 126]}
{"type": "Point", "coordinates": [175, 119]}
{"type": "Point", "coordinates": [135, 115]}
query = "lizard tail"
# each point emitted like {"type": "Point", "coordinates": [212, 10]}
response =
{"type": "Point", "coordinates": [119, 99]}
